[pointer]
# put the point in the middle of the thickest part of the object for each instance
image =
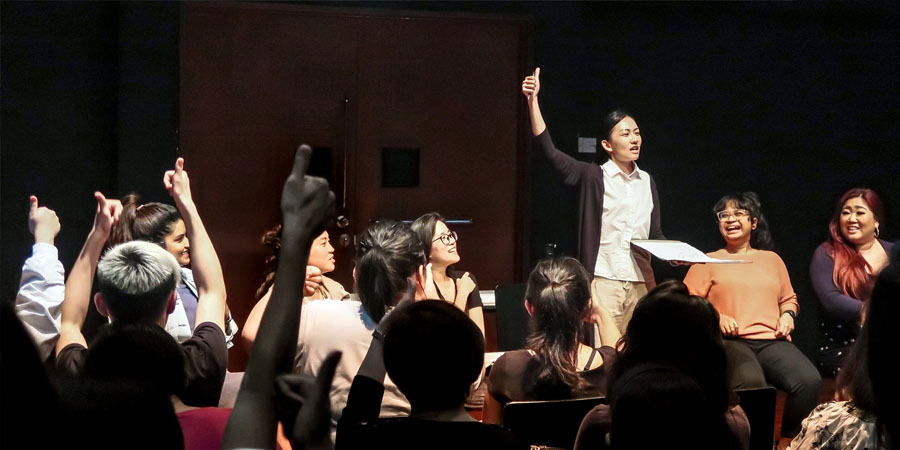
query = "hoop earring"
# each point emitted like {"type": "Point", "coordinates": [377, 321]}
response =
{"type": "Point", "coordinates": [877, 232]}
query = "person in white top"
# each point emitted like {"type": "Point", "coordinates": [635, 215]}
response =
{"type": "Point", "coordinates": [42, 287]}
{"type": "Point", "coordinates": [618, 204]}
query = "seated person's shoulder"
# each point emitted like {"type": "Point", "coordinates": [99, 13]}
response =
{"type": "Point", "coordinates": [70, 359]}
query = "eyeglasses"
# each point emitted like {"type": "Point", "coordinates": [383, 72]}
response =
{"type": "Point", "coordinates": [738, 214]}
{"type": "Point", "coordinates": [447, 238]}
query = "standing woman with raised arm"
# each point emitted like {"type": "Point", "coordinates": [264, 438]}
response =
{"type": "Point", "coordinates": [843, 271]}
{"type": "Point", "coordinates": [618, 203]}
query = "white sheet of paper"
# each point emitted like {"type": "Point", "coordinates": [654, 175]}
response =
{"type": "Point", "coordinates": [679, 251]}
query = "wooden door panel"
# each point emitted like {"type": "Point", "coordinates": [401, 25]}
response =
{"type": "Point", "coordinates": [259, 79]}
{"type": "Point", "coordinates": [449, 88]}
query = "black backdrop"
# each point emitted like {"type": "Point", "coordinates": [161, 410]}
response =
{"type": "Point", "coordinates": [795, 101]}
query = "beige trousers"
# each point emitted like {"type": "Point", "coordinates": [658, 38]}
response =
{"type": "Point", "coordinates": [619, 298]}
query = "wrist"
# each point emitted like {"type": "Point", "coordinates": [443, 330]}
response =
{"type": "Point", "coordinates": [790, 313]}
{"type": "Point", "coordinates": [44, 237]}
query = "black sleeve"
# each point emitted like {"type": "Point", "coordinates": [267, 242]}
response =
{"type": "Point", "coordinates": [206, 357]}
{"type": "Point", "coordinates": [655, 220]}
{"type": "Point", "coordinates": [362, 409]}
{"type": "Point", "coordinates": [570, 168]}
{"type": "Point", "coordinates": [71, 359]}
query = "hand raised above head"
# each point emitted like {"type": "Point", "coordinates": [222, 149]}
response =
{"type": "Point", "coordinates": [532, 84]}
{"type": "Point", "coordinates": [306, 198]}
{"type": "Point", "coordinates": [108, 211]}
{"type": "Point", "coordinates": [42, 222]}
{"type": "Point", "coordinates": [177, 182]}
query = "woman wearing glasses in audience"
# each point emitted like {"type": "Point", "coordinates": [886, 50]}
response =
{"type": "Point", "coordinates": [441, 251]}
{"type": "Point", "coordinates": [618, 203]}
{"type": "Point", "coordinates": [757, 307]}
{"type": "Point", "coordinates": [844, 268]}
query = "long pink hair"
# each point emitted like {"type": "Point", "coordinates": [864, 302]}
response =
{"type": "Point", "coordinates": [850, 268]}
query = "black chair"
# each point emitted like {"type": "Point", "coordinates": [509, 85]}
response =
{"type": "Point", "coordinates": [551, 423]}
{"type": "Point", "coordinates": [759, 405]}
{"type": "Point", "coordinates": [512, 319]}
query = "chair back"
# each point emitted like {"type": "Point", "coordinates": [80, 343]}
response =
{"type": "Point", "coordinates": [551, 423]}
{"type": "Point", "coordinates": [512, 319]}
{"type": "Point", "coordinates": [759, 405]}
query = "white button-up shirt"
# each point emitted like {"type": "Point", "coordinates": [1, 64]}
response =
{"type": "Point", "coordinates": [627, 205]}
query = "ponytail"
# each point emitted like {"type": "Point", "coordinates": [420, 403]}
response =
{"type": "Point", "coordinates": [559, 291]}
{"type": "Point", "coordinates": [150, 222]}
{"type": "Point", "coordinates": [271, 239]}
{"type": "Point", "coordinates": [387, 253]}
{"type": "Point", "coordinates": [121, 230]}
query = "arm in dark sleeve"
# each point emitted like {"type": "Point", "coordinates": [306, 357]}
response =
{"type": "Point", "coordinates": [838, 304]}
{"type": "Point", "coordinates": [474, 299]}
{"type": "Point", "coordinates": [206, 358]}
{"type": "Point", "coordinates": [655, 221]}
{"type": "Point", "coordinates": [571, 169]}
{"type": "Point", "coordinates": [363, 401]}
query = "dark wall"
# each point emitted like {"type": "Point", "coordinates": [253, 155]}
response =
{"type": "Point", "coordinates": [796, 101]}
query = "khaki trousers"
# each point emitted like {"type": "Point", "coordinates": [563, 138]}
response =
{"type": "Point", "coordinates": [619, 298]}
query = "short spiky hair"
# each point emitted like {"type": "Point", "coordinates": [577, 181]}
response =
{"type": "Point", "coordinates": [136, 278]}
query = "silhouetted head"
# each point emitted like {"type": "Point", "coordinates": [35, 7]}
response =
{"type": "Point", "coordinates": [433, 352]}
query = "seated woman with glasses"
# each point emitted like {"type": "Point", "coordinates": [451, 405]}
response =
{"type": "Point", "coordinates": [554, 365]}
{"type": "Point", "coordinates": [441, 252]}
{"type": "Point", "coordinates": [757, 307]}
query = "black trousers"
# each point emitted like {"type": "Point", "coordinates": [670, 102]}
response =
{"type": "Point", "coordinates": [754, 363]}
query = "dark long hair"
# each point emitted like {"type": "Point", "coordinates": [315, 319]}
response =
{"type": "Point", "coordinates": [271, 239]}
{"type": "Point", "coordinates": [667, 311]}
{"type": "Point", "coordinates": [607, 124]}
{"type": "Point", "coordinates": [880, 333]}
{"type": "Point", "coordinates": [559, 291]}
{"type": "Point", "coordinates": [150, 222]}
{"type": "Point", "coordinates": [851, 271]}
{"type": "Point", "coordinates": [424, 228]}
{"type": "Point", "coordinates": [659, 406]}
{"type": "Point", "coordinates": [387, 253]}
{"type": "Point", "coordinates": [761, 237]}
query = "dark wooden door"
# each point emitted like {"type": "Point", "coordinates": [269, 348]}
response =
{"type": "Point", "coordinates": [258, 80]}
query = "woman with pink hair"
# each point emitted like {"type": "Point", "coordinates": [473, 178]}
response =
{"type": "Point", "coordinates": [843, 271]}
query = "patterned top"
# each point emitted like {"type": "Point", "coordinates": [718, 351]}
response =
{"type": "Point", "coordinates": [837, 426]}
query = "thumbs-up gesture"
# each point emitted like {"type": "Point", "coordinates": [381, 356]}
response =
{"type": "Point", "coordinates": [532, 85]}
{"type": "Point", "coordinates": [178, 184]}
{"type": "Point", "coordinates": [42, 222]}
{"type": "Point", "coordinates": [108, 211]}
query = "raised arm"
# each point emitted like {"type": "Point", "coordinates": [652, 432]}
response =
{"type": "Point", "coordinates": [571, 168]}
{"type": "Point", "coordinates": [204, 260]}
{"type": "Point", "coordinates": [42, 286]}
{"type": "Point", "coordinates": [251, 325]}
{"type": "Point", "coordinates": [78, 286]}
{"type": "Point", "coordinates": [305, 204]}
{"type": "Point", "coordinates": [531, 86]}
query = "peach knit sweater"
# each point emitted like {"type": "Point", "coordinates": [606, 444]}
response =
{"type": "Point", "coordinates": [755, 294]}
